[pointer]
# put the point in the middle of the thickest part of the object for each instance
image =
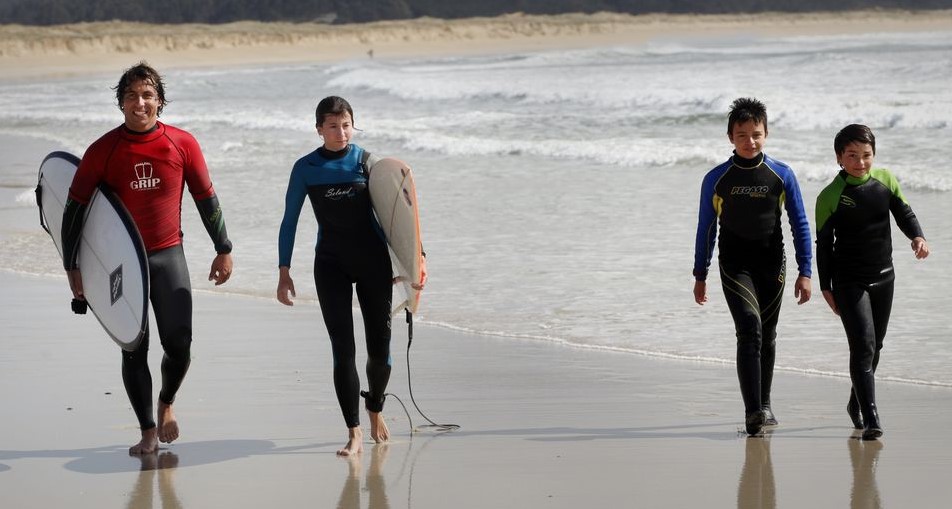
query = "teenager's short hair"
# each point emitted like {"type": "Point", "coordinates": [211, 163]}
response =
{"type": "Point", "coordinates": [744, 109]}
{"type": "Point", "coordinates": [853, 133]}
{"type": "Point", "coordinates": [332, 105]}
{"type": "Point", "coordinates": [141, 72]}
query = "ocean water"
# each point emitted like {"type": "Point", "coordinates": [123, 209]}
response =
{"type": "Point", "coordinates": [558, 190]}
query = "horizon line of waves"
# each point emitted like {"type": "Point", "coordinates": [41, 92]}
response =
{"type": "Point", "coordinates": [661, 354]}
{"type": "Point", "coordinates": [68, 145]}
{"type": "Point", "coordinates": [925, 113]}
{"type": "Point", "coordinates": [26, 114]}
{"type": "Point", "coordinates": [917, 179]}
{"type": "Point", "coordinates": [255, 120]}
{"type": "Point", "coordinates": [921, 107]}
{"type": "Point", "coordinates": [185, 75]}
{"type": "Point", "coordinates": [619, 152]}
{"type": "Point", "coordinates": [804, 44]}
{"type": "Point", "coordinates": [522, 60]}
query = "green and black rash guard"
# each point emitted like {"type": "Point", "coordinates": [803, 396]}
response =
{"type": "Point", "coordinates": [854, 240]}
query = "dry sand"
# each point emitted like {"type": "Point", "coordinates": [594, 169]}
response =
{"type": "Point", "coordinates": [542, 426]}
{"type": "Point", "coordinates": [107, 46]}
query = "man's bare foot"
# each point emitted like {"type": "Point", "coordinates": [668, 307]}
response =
{"type": "Point", "coordinates": [148, 445]}
{"type": "Point", "coordinates": [168, 426]}
{"type": "Point", "coordinates": [355, 442]}
{"type": "Point", "coordinates": [378, 428]}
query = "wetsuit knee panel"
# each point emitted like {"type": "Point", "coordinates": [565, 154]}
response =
{"type": "Point", "coordinates": [749, 344]}
{"type": "Point", "coordinates": [179, 344]}
{"type": "Point", "coordinates": [138, 356]}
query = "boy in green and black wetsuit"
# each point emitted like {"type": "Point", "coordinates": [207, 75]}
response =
{"type": "Point", "coordinates": [854, 260]}
{"type": "Point", "coordinates": [745, 196]}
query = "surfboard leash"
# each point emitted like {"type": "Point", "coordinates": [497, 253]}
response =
{"type": "Point", "coordinates": [436, 426]}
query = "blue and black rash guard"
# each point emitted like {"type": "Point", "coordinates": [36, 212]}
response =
{"type": "Point", "coordinates": [746, 197]}
{"type": "Point", "coordinates": [336, 183]}
{"type": "Point", "coordinates": [854, 240]}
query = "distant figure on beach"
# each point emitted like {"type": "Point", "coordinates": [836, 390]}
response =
{"type": "Point", "coordinates": [175, 160]}
{"type": "Point", "coordinates": [745, 196]}
{"type": "Point", "coordinates": [351, 251]}
{"type": "Point", "coordinates": [854, 260]}
{"type": "Point", "coordinates": [370, 53]}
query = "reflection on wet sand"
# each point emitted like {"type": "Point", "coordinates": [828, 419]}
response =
{"type": "Point", "coordinates": [375, 486]}
{"type": "Point", "coordinates": [162, 465]}
{"type": "Point", "coordinates": [864, 455]}
{"type": "Point", "coordinates": [756, 488]}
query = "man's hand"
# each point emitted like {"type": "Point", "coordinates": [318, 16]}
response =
{"type": "Point", "coordinates": [221, 269]}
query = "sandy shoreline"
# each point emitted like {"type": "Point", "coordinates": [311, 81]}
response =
{"type": "Point", "coordinates": [542, 425]}
{"type": "Point", "coordinates": [100, 47]}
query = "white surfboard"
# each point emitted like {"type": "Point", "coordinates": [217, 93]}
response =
{"type": "Point", "coordinates": [394, 199]}
{"type": "Point", "coordinates": [112, 257]}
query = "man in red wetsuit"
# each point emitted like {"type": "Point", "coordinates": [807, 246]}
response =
{"type": "Point", "coordinates": [147, 164]}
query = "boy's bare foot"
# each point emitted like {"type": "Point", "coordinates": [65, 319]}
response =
{"type": "Point", "coordinates": [355, 442]}
{"type": "Point", "coordinates": [168, 426]}
{"type": "Point", "coordinates": [378, 428]}
{"type": "Point", "coordinates": [148, 445]}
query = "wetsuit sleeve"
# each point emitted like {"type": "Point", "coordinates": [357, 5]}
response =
{"type": "Point", "coordinates": [706, 229]}
{"type": "Point", "coordinates": [81, 189]}
{"type": "Point", "coordinates": [293, 201]}
{"type": "Point", "coordinates": [905, 217]}
{"type": "Point", "coordinates": [71, 230]}
{"type": "Point", "coordinates": [799, 225]}
{"type": "Point", "coordinates": [826, 204]}
{"type": "Point", "coordinates": [214, 222]}
{"type": "Point", "coordinates": [195, 170]}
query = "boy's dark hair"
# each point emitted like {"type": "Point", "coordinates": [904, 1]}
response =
{"type": "Point", "coordinates": [141, 72]}
{"type": "Point", "coordinates": [853, 133]}
{"type": "Point", "coordinates": [744, 109]}
{"type": "Point", "coordinates": [332, 105]}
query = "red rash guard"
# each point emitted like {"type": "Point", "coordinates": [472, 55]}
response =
{"type": "Point", "coordinates": [148, 173]}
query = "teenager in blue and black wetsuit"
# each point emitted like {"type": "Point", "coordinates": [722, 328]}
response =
{"type": "Point", "coordinates": [745, 195]}
{"type": "Point", "coordinates": [351, 250]}
{"type": "Point", "coordinates": [854, 260]}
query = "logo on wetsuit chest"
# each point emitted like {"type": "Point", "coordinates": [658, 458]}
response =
{"type": "Point", "coordinates": [336, 193]}
{"type": "Point", "coordinates": [144, 179]}
{"type": "Point", "coordinates": [846, 201]}
{"type": "Point", "coordinates": [752, 191]}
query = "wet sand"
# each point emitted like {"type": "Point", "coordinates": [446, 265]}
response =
{"type": "Point", "coordinates": [540, 425]}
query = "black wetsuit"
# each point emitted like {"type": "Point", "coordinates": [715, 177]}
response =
{"type": "Point", "coordinates": [854, 261]}
{"type": "Point", "coordinates": [746, 197]}
{"type": "Point", "coordinates": [351, 251]}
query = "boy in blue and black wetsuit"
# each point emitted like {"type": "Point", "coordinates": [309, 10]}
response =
{"type": "Point", "coordinates": [854, 260]}
{"type": "Point", "coordinates": [745, 195]}
{"type": "Point", "coordinates": [351, 251]}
